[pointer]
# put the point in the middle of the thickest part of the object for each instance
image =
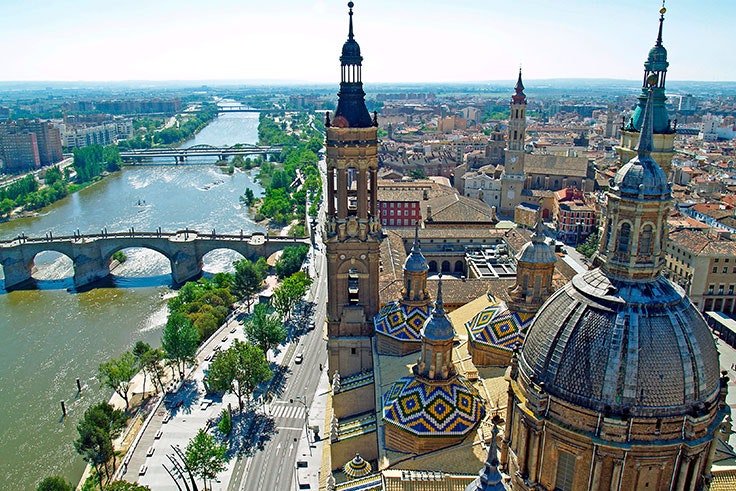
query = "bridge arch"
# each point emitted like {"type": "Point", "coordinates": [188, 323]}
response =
{"type": "Point", "coordinates": [142, 261]}
{"type": "Point", "coordinates": [220, 260]}
{"type": "Point", "coordinates": [202, 146]}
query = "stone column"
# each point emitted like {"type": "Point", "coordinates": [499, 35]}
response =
{"type": "Point", "coordinates": [374, 193]}
{"type": "Point", "coordinates": [682, 475]}
{"type": "Point", "coordinates": [533, 455]}
{"type": "Point", "coordinates": [331, 192]}
{"type": "Point", "coordinates": [595, 482]}
{"type": "Point", "coordinates": [342, 193]}
{"type": "Point", "coordinates": [695, 474]}
{"type": "Point", "coordinates": [522, 447]}
{"type": "Point", "coordinates": [618, 468]}
{"type": "Point", "coordinates": [507, 431]}
{"type": "Point", "coordinates": [362, 185]}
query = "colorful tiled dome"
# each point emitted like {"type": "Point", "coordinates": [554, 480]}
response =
{"type": "Point", "coordinates": [401, 321]}
{"type": "Point", "coordinates": [357, 467]}
{"type": "Point", "coordinates": [499, 327]}
{"type": "Point", "coordinates": [424, 409]}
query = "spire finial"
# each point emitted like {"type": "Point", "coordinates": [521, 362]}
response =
{"type": "Point", "coordinates": [439, 305]}
{"type": "Point", "coordinates": [645, 146]}
{"type": "Point", "coordinates": [415, 246]}
{"type": "Point", "coordinates": [350, 31]}
{"type": "Point", "coordinates": [662, 11]}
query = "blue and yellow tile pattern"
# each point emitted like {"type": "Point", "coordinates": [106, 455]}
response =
{"type": "Point", "coordinates": [400, 321]}
{"type": "Point", "coordinates": [423, 409]}
{"type": "Point", "coordinates": [499, 327]}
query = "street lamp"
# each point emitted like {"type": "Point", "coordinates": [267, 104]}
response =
{"type": "Point", "coordinates": [303, 401]}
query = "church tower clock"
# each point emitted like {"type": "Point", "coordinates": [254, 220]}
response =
{"type": "Point", "coordinates": [513, 178]}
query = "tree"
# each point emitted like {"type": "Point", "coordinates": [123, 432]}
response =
{"type": "Point", "coordinates": [225, 425]}
{"type": "Point", "coordinates": [248, 279]}
{"type": "Point", "coordinates": [100, 425]}
{"type": "Point", "coordinates": [55, 483]}
{"type": "Point", "coordinates": [53, 175]}
{"type": "Point", "coordinates": [205, 457]}
{"type": "Point", "coordinates": [265, 330]}
{"type": "Point", "coordinates": [590, 246]}
{"type": "Point", "coordinates": [291, 260]}
{"type": "Point", "coordinates": [291, 290]}
{"type": "Point", "coordinates": [239, 370]}
{"type": "Point", "coordinates": [6, 206]}
{"type": "Point", "coordinates": [151, 363]}
{"type": "Point", "coordinates": [117, 374]}
{"type": "Point", "coordinates": [139, 351]}
{"type": "Point", "coordinates": [180, 340]}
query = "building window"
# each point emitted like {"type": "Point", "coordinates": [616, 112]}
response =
{"type": "Point", "coordinates": [353, 351]}
{"type": "Point", "coordinates": [711, 287]}
{"type": "Point", "coordinates": [715, 269]}
{"type": "Point", "coordinates": [730, 289]}
{"type": "Point", "coordinates": [623, 239]}
{"type": "Point", "coordinates": [725, 269]}
{"type": "Point", "coordinates": [565, 471]}
{"type": "Point", "coordinates": [645, 241]}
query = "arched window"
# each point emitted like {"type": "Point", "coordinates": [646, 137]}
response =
{"type": "Point", "coordinates": [645, 240]}
{"type": "Point", "coordinates": [353, 286]}
{"type": "Point", "coordinates": [459, 267]}
{"type": "Point", "coordinates": [433, 266]}
{"type": "Point", "coordinates": [624, 235]}
{"type": "Point", "coordinates": [445, 266]}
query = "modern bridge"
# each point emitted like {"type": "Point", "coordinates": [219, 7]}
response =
{"type": "Point", "coordinates": [243, 109]}
{"type": "Point", "coordinates": [91, 255]}
{"type": "Point", "coordinates": [181, 154]}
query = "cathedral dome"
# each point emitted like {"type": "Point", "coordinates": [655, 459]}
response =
{"type": "Point", "coordinates": [623, 348]}
{"type": "Point", "coordinates": [416, 262]}
{"type": "Point", "coordinates": [536, 252]}
{"type": "Point", "coordinates": [641, 176]}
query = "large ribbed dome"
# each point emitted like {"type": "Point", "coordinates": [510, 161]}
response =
{"type": "Point", "coordinates": [641, 176]}
{"type": "Point", "coordinates": [623, 348]}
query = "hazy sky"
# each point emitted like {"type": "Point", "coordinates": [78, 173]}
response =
{"type": "Point", "coordinates": [401, 40]}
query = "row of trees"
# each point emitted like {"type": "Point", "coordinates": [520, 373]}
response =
{"type": "Point", "coordinates": [91, 161]}
{"type": "Point", "coordinates": [280, 203]}
{"type": "Point", "coordinates": [187, 127]}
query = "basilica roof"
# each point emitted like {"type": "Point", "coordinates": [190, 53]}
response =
{"type": "Point", "coordinates": [401, 321]}
{"type": "Point", "coordinates": [499, 327]}
{"type": "Point", "coordinates": [623, 347]}
{"type": "Point", "coordinates": [425, 409]}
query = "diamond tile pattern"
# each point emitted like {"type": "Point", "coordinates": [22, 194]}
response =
{"type": "Point", "coordinates": [499, 327]}
{"type": "Point", "coordinates": [454, 408]}
{"type": "Point", "coordinates": [401, 321]}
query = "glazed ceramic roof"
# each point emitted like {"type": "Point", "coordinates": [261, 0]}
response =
{"type": "Point", "coordinates": [357, 467]}
{"type": "Point", "coordinates": [423, 409]}
{"type": "Point", "coordinates": [623, 347]}
{"type": "Point", "coordinates": [499, 327]}
{"type": "Point", "coordinates": [401, 321]}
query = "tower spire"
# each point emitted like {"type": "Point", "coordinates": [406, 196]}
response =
{"type": "Point", "coordinates": [350, 12]}
{"type": "Point", "coordinates": [519, 97]}
{"type": "Point", "coordinates": [662, 11]}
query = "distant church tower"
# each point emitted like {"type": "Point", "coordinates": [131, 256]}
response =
{"type": "Point", "coordinates": [353, 231]}
{"type": "Point", "coordinates": [664, 132]}
{"type": "Point", "coordinates": [512, 179]}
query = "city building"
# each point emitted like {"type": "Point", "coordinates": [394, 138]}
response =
{"type": "Point", "coordinates": [29, 144]}
{"type": "Point", "coordinates": [705, 266]}
{"type": "Point", "coordinates": [574, 216]}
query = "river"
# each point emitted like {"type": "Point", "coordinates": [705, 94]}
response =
{"type": "Point", "coordinates": [52, 336]}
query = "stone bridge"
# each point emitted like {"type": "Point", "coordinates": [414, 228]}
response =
{"type": "Point", "coordinates": [91, 255]}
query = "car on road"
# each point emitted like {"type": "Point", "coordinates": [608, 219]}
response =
{"type": "Point", "coordinates": [299, 358]}
{"type": "Point", "coordinates": [312, 325]}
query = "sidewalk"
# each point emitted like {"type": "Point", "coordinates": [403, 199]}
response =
{"type": "Point", "coordinates": [311, 458]}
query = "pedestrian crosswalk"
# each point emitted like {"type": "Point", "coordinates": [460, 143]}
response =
{"type": "Point", "coordinates": [287, 411]}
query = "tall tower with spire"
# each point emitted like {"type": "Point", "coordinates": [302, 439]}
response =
{"type": "Point", "coordinates": [617, 386]}
{"type": "Point", "coordinates": [353, 229]}
{"type": "Point", "coordinates": [513, 177]}
{"type": "Point", "coordinates": [663, 140]}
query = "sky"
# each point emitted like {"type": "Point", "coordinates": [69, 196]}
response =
{"type": "Point", "coordinates": [402, 41]}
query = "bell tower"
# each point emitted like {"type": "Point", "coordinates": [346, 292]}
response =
{"type": "Point", "coordinates": [513, 178]}
{"type": "Point", "coordinates": [353, 229]}
{"type": "Point", "coordinates": [663, 136]}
